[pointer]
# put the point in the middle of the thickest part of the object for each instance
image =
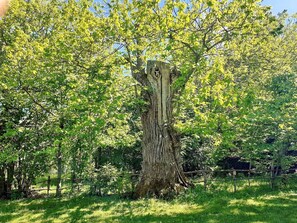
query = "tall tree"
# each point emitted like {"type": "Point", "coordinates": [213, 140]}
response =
{"type": "Point", "coordinates": [56, 62]}
{"type": "Point", "coordinates": [185, 35]}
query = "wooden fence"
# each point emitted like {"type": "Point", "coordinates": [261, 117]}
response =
{"type": "Point", "coordinates": [206, 177]}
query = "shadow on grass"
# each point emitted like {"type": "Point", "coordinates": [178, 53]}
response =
{"type": "Point", "coordinates": [250, 204]}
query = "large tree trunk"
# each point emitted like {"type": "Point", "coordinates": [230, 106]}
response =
{"type": "Point", "coordinates": [162, 173]}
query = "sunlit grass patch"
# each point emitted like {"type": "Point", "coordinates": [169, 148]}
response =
{"type": "Point", "coordinates": [258, 203]}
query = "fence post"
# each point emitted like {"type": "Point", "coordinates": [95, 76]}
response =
{"type": "Point", "coordinates": [272, 176]}
{"type": "Point", "coordinates": [204, 180]}
{"type": "Point", "coordinates": [48, 185]}
{"type": "Point", "coordinates": [234, 180]}
{"type": "Point", "coordinates": [249, 175]}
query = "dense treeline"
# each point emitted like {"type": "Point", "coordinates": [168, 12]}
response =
{"type": "Point", "coordinates": [70, 106]}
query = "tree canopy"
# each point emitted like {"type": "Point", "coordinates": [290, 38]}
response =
{"type": "Point", "coordinates": [86, 86]}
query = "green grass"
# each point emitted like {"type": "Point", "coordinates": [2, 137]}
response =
{"type": "Point", "coordinates": [258, 204]}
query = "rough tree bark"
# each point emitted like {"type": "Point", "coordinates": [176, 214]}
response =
{"type": "Point", "coordinates": [162, 173]}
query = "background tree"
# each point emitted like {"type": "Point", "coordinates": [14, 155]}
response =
{"type": "Point", "coordinates": [60, 69]}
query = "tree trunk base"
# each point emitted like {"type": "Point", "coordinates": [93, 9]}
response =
{"type": "Point", "coordinates": [158, 189]}
{"type": "Point", "coordinates": [158, 186]}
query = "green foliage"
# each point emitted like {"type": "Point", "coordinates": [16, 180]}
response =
{"type": "Point", "coordinates": [110, 180]}
{"type": "Point", "coordinates": [58, 87]}
{"type": "Point", "coordinates": [272, 123]}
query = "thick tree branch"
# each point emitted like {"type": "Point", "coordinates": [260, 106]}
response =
{"type": "Point", "coordinates": [137, 68]}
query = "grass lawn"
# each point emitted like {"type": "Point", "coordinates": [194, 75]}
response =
{"type": "Point", "coordinates": [258, 204]}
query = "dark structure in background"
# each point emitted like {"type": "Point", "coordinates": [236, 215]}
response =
{"type": "Point", "coordinates": [241, 166]}
{"type": "Point", "coordinates": [293, 167]}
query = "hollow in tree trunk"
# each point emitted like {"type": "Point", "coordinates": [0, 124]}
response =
{"type": "Point", "coordinates": [162, 173]}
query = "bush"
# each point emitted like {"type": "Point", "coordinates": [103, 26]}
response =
{"type": "Point", "coordinates": [110, 180]}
